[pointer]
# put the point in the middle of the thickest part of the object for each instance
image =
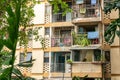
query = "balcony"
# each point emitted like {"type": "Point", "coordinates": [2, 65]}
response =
{"type": "Point", "coordinates": [92, 38]}
{"type": "Point", "coordinates": [60, 18]}
{"type": "Point", "coordinates": [86, 68]}
{"type": "Point", "coordinates": [58, 67]}
{"type": "Point", "coordinates": [59, 42]}
{"type": "Point", "coordinates": [86, 13]}
{"type": "Point", "coordinates": [77, 69]}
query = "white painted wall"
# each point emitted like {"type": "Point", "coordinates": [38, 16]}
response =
{"type": "Point", "coordinates": [39, 11]}
{"type": "Point", "coordinates": [115, 58]}
{"type": "Point", "coordinates": [37, 77]}
{"type": "Point", "coordinates": [115, 78]}
{"type": "Point", "coordinates": [38, 63]}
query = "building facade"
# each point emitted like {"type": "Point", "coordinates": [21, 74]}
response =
{"type": "Point", "coordinates": [67, 38]}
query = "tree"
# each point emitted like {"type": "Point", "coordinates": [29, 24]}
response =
{"type": "Point", "coordinates": [13, 15]}
{"type": "Point", "coordinates": [112, 29]}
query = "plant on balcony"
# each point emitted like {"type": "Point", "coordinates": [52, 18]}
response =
{"type": "Point", "coordinates": [85, 42]}
{"type": "Point", "coordinates": [69, 61]}
{"type": "Point", "coordinates": [79, 78]}
{"type": "Point", "coordinates": [80, 39]}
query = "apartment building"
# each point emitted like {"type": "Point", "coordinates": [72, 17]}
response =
{"type": "Point", "coordinates": [87, 20]}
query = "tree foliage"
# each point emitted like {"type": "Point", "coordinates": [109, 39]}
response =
{"type": "Point", "coordinates": [14, 13]}
{"type": "Point", "coordinates": [65, 8]}
{"type": "Point", "coordinates": [113, 29]}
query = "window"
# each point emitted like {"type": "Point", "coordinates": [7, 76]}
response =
{"type": "Point", "coordinates": [82, 55]}
{"type": "Point", "coordinates": [46, 57]}
{"type": "Point", "coordinates": [107, 56]}
{"type": "Point", "coordinates": [28, 57]}
{"type": "Point", "coordinates": [76, 55]}
{"type": "Point", "coordinates": [21, 57]}
{"type": "Point", "coordinates": [47, 9]}
{"type": "Point", "coordinates": [97, 55]}
{"type": "Point", "coordinates": [47, 31]}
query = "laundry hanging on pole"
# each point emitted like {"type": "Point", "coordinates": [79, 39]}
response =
{"type": "Point", "coordinates": [93, 35]}
{"type": "Point", "coordinates": [82, 10]}
{"type": "Point", "coordinates": [79, 1]}
{"type": "Point", "coordinates": [93, 2]}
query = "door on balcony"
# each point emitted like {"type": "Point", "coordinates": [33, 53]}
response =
{"type": "Point", "coordinates": [58, 61]}
{"type": "Point", "coordinates": [61, 61]}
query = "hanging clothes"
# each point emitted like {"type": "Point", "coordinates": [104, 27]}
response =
{"type": "Point", "coordinates": [93, 2]}
{"type": "Point", "coordinates": [83, 10]}
{"type": "Point", "coordinates": [79, 1]}
{"type": "Point", "coordinates": [93, 35]}
{"type": "Point", "coordinates": [53, 42]}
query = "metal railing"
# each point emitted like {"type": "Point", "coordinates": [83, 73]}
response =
{"type": "Point", "coordinates": [59, 42]}
{"type": "Point", "coordinates": [57, 67]}
{"type": "Point", "coordinates": [85, 34]}
{"type": "Point", "coordinates": [58, 17]}
{"type": "Point", "coordinates": [85, 11]}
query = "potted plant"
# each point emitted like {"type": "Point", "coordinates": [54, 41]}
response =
{"type": "Point", "coordinates": [69, 61]}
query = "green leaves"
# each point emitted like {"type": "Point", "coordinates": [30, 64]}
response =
{"type": "Point", "coordinates": [1, 44]}
{"type": "Point", "coordinates": [118, 33]}
{"type": "Point", "coordinates": [118, 5]}
{"type": "Point", "coordinates": [60, 4]}
{"type": "Point", "coordinates": [5, 74]}
{"type": "Point", "coordinates": [112, 31]}
{"type": "Point", "coordinates": [113, 5]}
{"type": "Point", "coordinates": [12, 20]}
{"type": "Point", "coordinates": [17, 73]}
{"type": "Point", "coordinates": [80, 39]}
{"type": "Point", "coordinates": [26, 63]}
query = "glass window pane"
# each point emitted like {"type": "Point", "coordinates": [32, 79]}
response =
{"type": "Point", "coordinates": [29, 56]}
{"type": "Point", "coordinates": [21, 57]}
{"type": "Point", "coordinates": [76, 55]}
{"type": "Point", "coordinates": [47, 31]}
{"type": "Point", "coordinates": [97, 55]}
{"type": "Point", "coordinates": [46, 60]}
{"type": "Point", "coordinates": [46, 54]}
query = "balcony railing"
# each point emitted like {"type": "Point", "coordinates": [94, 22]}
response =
{"type": "Point", "coordinates": [92, 36]}
{"type": "Point", "coordinates": [57, 67]}
{"type": "Point", "coordinates": [60, 18]}
{"type": "Point", "coordinates": [86, 11]}
{"type": "Point", "coordinates": [59, 42]}
{"type": "Point", "coordinates": [86, 67]}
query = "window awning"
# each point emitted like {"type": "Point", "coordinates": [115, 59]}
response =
{"type": "Point", "coordinates": [85, 48]}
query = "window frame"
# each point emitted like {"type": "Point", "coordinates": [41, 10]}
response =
{"type": "Point", "coordinates": [46, 57]}
{"type": "Point", "coordinates": [47, 31]}
{"type": "Point", "coordinates": [22, 57]}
